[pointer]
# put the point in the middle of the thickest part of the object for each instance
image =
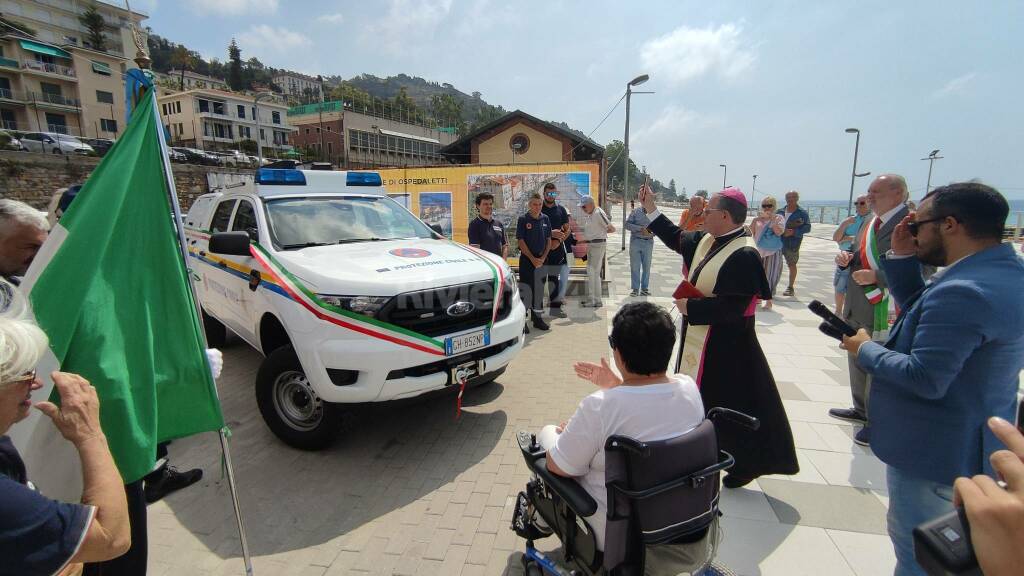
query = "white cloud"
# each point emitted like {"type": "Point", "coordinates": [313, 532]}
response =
{"type": "Point", "coordinates": [409, 20]}
{"type": "Point", "coordinates": [336, 18]}
{"type": "Point", "coordinates": [234, 7]}
{"type": "Point", "coordinates": [687, 53]}
{"type": "Point", "coordinates": [270, 43]}
{"type": "Point", "coordinates": [955, 86]}
{"type": "Point", "coordinates": [674, 121]}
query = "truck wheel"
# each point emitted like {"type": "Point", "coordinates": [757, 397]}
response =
{"type": "Point", "coordinates": [216, 333]}
{"type": "Point", "coordinates": [289, 405]}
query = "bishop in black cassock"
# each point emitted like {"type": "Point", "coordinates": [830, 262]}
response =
{"type": "Point", "coordinates": [719, 347]}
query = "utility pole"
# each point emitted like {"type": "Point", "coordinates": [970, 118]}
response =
{"type": "Point", "coordinates": [932, 157]}
{"type": "Point", "coordinates": [725, 172]}
{"type": "Point", "coordinates": [753, 190]}
{"type": "Point", "coordinates": [321, 107]}
{"type": "Point", "coordinates": [853, 173]}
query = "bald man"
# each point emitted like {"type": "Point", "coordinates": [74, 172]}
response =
{"type": "Point", "coordinates": [868, 304]}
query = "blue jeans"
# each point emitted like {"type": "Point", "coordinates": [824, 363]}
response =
{"type": "Point", "coordinates": [841, 279]}
{"type": "Point", "coordinates": [912, 501]}
{"type": "Point", "coordinates": [640, 252]}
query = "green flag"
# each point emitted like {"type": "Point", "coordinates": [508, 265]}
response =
{"type": "Point", "coordinates": [112, 293]}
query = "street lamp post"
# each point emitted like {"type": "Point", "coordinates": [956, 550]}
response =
{"type": "Point", "coordinates": [625, 150]}
{"type": "Point", "coordinates": [321, 108]}
{"type": "Point", "coordinates": [753, 190]}
{"type": "Point", "coordinates": [853, 173]}
{"type": "Point", "coordinates": [259, 136]}
{"type": "Point", "coordinates": [725, 171]}
{"type": "Point", "coordinates": [931, 160]}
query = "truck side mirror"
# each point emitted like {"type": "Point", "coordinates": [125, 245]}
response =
{"type": "Point", "coordinates": [230, 243]}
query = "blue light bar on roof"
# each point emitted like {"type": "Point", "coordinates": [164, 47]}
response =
{"type": "Point", "coordinates": [280, 177]}
{"type": "Point", "coordinates": [363, 179]}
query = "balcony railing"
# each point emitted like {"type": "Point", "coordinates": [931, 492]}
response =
{"type": "Point", "coordinates": [62, 129]}
{"type": "Point", "coordinates": [6, 94]}
{"type": "Point", "coordinates": [48, 68]}
{"type": "Point", "coordinates": [56, 99]}
{"type": "Point", "coordinates": [8, 62]}
{"type": "Point", "coordinates": [8, 124]}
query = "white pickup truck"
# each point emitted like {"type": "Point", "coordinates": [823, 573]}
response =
{"type": "Point", "coordinates": [350, 298]}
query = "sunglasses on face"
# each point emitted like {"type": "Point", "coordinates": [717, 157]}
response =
{"type": "Point", "coordinates": [767, 206]}
{"type": "Point", "coordinates": [861, 203]}
{"type": "Point", "coordinates": [914, 227]}
{"type": "Point", "coordinates": [29, 376]}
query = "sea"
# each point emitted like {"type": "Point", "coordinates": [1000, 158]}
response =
{"type": "Point", "coordinates": [833, 211]}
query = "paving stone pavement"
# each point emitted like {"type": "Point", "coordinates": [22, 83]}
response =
{"type": "Point", "coordinates": [408, 489]}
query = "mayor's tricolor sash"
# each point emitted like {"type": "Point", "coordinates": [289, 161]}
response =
{"type": "Point", "coordinates": [870, 259]}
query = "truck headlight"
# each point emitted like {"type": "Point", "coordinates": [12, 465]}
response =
{"type": "Point", "coordinates": [366, 305]}
{"type": "Point", "coordinates": [511, 284]}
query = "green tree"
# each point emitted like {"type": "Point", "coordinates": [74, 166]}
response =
{"type": "Point", "coordinates": [616, 170]}
{"type": "Point", "coordinates": [404, 106]}
{"type": "Point", "coordinates": [95, 26]}
{"type": "Point", "coordinates": [235, 66]}
{"type": "Point", "coordinates": [183, 60]}
{"type": "Point", "coordinates": [247, 146]}
{"type": "Point", "coordinates": [447, 111]}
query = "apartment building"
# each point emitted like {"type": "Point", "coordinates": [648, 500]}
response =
{"type": "Point", "coordinates": [67, 89]}
{"type": "Point", "coordinates": [354, 138]}
{"type": "Point", "coordinates": [56, 22]}
{"type": "Point", "coordinates": [190, 80]}
{"type": "Point", "coordinates": [53, 80]}
{"type": "Point", "coordinates": [298, 87]}
{"type": "Point", "coordinates": [218, 120]}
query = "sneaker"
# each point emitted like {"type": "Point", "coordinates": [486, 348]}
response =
{"type": "Point", "coordinates": [633, 293]}
{"type": "Point", "coordinates": [863, 436]}
{"type": "Point", "coordinates": [597, 304]}
{"type": "Point", "coordinates": [788, 292]}
{"type": "Point", "coordinates": [166, 480]}
{"type": "Point", "coordinates": [558, 313]}
{"type": "Point", "coordinates": [539, 322]}
{"type": "Point", "coordinates": [848, 415]}
{"type": "Point", "coordinates": [645, 292]}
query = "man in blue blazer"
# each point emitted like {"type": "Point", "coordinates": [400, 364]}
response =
{"type": "Point", "coordinates": [952, 359]}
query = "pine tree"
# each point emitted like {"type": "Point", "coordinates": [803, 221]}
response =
{"type": "Point", "coordinates": [234, 66]}
{"type": "Point", "coordinates": [95, 26]}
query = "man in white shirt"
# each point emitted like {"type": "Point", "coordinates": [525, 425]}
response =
{"type": "Point", "coordinates": [646, 403]}
{"type": "Point", "coordinates": [594, 228]}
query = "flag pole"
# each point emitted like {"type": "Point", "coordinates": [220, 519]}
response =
{"type": "Point", "coordinates": [143, 62]}
{"type": "Point", "coordinates": [179, 226]}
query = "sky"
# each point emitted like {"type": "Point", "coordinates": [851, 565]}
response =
{"type": "Point", "coordinates": [766, 88]}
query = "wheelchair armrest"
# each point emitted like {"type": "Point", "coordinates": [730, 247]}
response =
{"type": "Point", "coordinates": [567, 489]}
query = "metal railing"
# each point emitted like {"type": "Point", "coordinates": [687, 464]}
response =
{"type": "Point", "coordinates": [9, 62]}
{"type": "Point", "coordinates": [8, 125]}
{"type": "Point", "coordinates": [6, 94]}
{"type": "Point", "coordinates": [62, 129]}
{"type": "Point", "coordinates": [48, 68]}
{"type": "Point", "coordinates": [57, 99]}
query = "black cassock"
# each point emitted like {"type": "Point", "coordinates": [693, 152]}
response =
{"type": "Point", "coordinates": [736, 374]}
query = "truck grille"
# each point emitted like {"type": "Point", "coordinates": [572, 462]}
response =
{"type": "Point", "coordinates": [426, 311]}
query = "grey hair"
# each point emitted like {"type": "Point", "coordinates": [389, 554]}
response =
{"type": "Point", "coordinates": [15, 212]}
{"type": "Point", "coordinates": [22, 342]}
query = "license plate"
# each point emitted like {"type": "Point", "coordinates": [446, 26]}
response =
{"type": "Point", "coordinates": [455, 345]}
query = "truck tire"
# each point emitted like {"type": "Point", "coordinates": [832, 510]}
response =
{"type": "Point", "coordinates": [290, 406]}
{"type": "Point", "coordinates": [216, 333]}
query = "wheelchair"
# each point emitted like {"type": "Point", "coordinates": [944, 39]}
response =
{"type": "Point", "coordinates": [662, 516]}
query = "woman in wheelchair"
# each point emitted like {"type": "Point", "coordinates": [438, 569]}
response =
{"type": "Point", "coordinates": [628, 442]}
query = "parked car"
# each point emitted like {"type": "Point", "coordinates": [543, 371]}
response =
{"type": "Point", "coordinates": [100, 145]}
{"type": "Point", "coordinates": [237, 159]}
{"type": "Point", "coordinates": [195, 156]}
{"type": "Point", "coordinates": [52, 142]}
{"type": "Point", "coordinates": [176, 156]}
{"type": "Point", "coordinates": [9, 141]}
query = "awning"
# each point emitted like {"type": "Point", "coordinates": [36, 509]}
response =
{"type": "Point", "coordinates": [46, 49]}
{"type": "Point", "coordinates": [409, 136]}
{"type": "Point", "coordinates": [101, 68]}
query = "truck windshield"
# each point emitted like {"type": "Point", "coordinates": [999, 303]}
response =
{"type": "Point", "coordinates": [303, 222]}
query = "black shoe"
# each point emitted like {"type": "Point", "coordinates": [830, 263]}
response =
{"type": "Point", "coordinates": [539, 323]}
{"type": "Point", "coordinates": [848, 415]}
{"type": "Point", "coordinates": [788, 292]}
{"type": "Point", "coordinates": [558, 313]}
{"type": "Point", "coordinates": [645, 292]}
{"type": "Point", "coordinates": [863, 436]}
{"type": "Point", "coordinates": [526, 328]}
{"type": "Point", "coordinates": [168, 479]}
{"type": "Point", "coordinates": [734, 481]}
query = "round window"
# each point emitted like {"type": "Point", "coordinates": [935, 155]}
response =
{"type": "Point", "coordinates": [519, 143]}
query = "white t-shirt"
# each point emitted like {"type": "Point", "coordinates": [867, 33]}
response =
{"type": "Point", "coordinates": [647, 413]}
{"type": "Point", "coordinates": [594, 225]}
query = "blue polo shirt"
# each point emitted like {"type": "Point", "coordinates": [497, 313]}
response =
{"type": "Point", "coordinates": [38, 535]}
{"type": "Point", "coordinates": [489, 235]}
{"type": "Point", "coordinates": [536, 232]}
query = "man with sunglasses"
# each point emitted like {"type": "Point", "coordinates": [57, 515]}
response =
{"type": "Point", "coordinates": [844, 235]}
{"type": "Point", "coordinates": [952, 359]}
{"type": "Point", "coordinates": [867, 303]}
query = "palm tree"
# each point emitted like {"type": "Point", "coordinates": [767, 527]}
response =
{"type": "Point", "coordinates": [182, 59]}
